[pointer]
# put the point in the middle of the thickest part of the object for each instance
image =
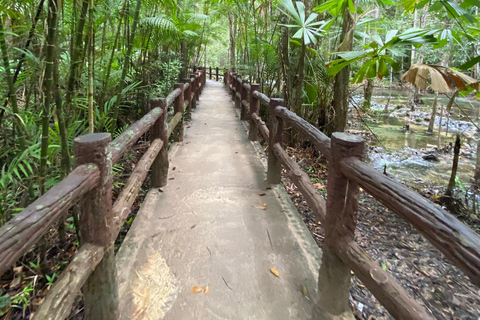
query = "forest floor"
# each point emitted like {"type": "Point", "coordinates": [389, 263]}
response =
{"type": "Point", "coordinates": [399, 248]}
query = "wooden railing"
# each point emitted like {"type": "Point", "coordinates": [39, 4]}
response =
{"type": "Point", "coordinates": [346, 172]}
{"type": "Point", "coordinates": [90, 185]}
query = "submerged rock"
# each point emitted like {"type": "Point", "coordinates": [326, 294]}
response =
{"type": "Point", "coordinates": [430, 157]}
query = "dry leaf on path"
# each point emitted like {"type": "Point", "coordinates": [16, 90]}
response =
{"type": "Point", "coordinates": [304, 290]}
{"type": "Point", "coordinates": [262, 208]}
{"type": "Point", "coordinates": [196, 289]}
{"type": "Point", "coordinates": [262, 194]}
{"type": "Point", "coordinates": [275, 272]}
{"type": "Point", "coordinates": [207, 288]}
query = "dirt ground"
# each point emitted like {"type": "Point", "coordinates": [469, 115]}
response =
{"type": "Point", "coordinates": [398, 247]}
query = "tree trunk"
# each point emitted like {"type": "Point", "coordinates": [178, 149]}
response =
{"type": "Point", "coordinates": [431, 123]}
{"type": "Point", "coordinates": [232, 41]}
{"type": "Point", "coordinates": [11, 88]}
{"type": "Point", "coordinates": [126, 63]}
{"type": "Point", "coordinates": [115, 42]}
{"type": "Point", "coordinates": [91, 50]}
{"type": "Point", "coordinates": [297, 104]}
{"type": "Point", "coordinates": [456, 152]}
{"type": "Point", "coordinates": [76, 60]}
{"type": "Point", "coordinates": [342, 79]}
{"type": "Point", "coordinates": [22, 57]}
{"type": "Point", "coordinates": [477, 165]}
{"type": "Point", "coordinates": [367, 95]}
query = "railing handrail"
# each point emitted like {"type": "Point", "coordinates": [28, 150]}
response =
{"type": "Point", "coordinates": [19, 234]}
{"type": "Point", "coordinates": [459, 243]}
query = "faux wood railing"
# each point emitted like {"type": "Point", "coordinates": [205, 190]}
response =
{"type": "Point", "coordinates": [90, 185]}
{"type": "Point", "coordinates": [346, 172]}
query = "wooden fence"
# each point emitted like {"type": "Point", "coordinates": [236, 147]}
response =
{"type": "Point", "coordinates": [346, 172]}
{"type": "Point", "coordinates": [90, 185]}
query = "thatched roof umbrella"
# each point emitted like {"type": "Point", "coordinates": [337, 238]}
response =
{"type": "Point", "coordinates": [443, 79]}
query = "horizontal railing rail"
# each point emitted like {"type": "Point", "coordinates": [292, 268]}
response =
{"type": "Point", "coordinates": [90, 185]}
{"type": "Point", "coordinates": [346, 172]}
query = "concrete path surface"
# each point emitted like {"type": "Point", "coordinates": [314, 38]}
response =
{"type": "Point", "coordinates": [206, 228]}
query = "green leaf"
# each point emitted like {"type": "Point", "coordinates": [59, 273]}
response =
{"type": "Point", "coordinates": [372, 70]}
{"type": "Point", "coordinates": [351, 6]}
{"type": "Point", "coordinates": [470, 63]}
{"type": "Point", "coordinates": [311, 92]}
{"type": "Point", "coordinates": [349, 55]}
{"type": "Point", "coordinates": [360, 75]}
{"type": "Point", "coordinates": [382, 69]}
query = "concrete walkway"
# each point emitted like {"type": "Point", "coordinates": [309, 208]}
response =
{"type": "Point", "coordinates": [205, 228]}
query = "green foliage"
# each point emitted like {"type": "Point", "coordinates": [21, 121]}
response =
{"type": "Point", "coordinates": [308, 28]}
{"type": "Point", "coordinates": [376, 53]}
{"type": "Point", "coordinates": [168, 70]}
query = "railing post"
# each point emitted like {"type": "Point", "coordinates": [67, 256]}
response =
{"type": "Point", "coordinates": [238, 95]}
{"type": "Point", "coordinates": [244, 97]}
{"type": "Point", "coordinates": [198, 77]}
{"type": "Point", "coordinates": [188, 94]}
{"type": "Point", "coordinates": [178, 108]}
{"type": "Point", "coordinates": [232, 83]}
{"type": "Point", "coordinates": [194, 90]}
{"type": "Point", "coordinates": [210, 73]}
{"type": "Point", "coordinates": [275, 127]}
{"type": "Point", "coordinates": [226, 80]}
{"type": "Point", "coordinates": [216, 74]}
{"type": "Point", "coordinates": [160, 131]}
{"type": "Point", "coordinates": [253, 131]}
{"type": "Point", "coordinates": [341, 220]}
{"type": "Point", "coordinates": [97, 226]}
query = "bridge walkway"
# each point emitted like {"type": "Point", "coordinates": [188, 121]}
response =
{"type": "Point", "coordinates": [217, 225]}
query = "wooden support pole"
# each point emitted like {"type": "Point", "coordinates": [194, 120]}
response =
{"type": "Point", "coordinates": [160, 131]}
{"type": "Point", "coordinates": [238, 95]}
{"type": "Point", "coordinates": [178, 108]}
{"type": "Point", "coordinates": [97, 226]}
{"type": "Point", "coordinates": [226, 81]}
{"type": "Point", "coordinates": [188, 94]}
{"type": "Point", "coordinates": [340, 223]}
{"type": "Point", "coordinates": [253, 131]}
{"type": "Point", "coordinates": [275, 127]}
{"type": "Point", "coordinates": [210, 73]}
{"type": "Point", "coordinates": [216, 74]}
{"type": "Point", "coordinates": [194, 90]}
{"type": "Point", "coordinates": [198, 86]}
{"type": "Point", "coordinates": [244, 97]}
{"type": "Point", "coordinates": [233, 80]}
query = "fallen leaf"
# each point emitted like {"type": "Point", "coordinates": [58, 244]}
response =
{"type": "Point", "coordinates": [171, 178]}
{"type": "Point", "coordinates": [318, 186]}
{"type": "Point", "coordinates": [196, 289]}
{"type": "Point", "coordinates": [262, 208]}
{"type": "Point", "coordinates": [262, 194]}
{"type": "Point", "coordinates": [207, 288]}
{"type": "Point", "coordinates": [274, 272]}
{"type": "Point", "coordinates": [174, 168]}
{"type": "Point", "coordinates": [304, 290]}
{"type": "Point", "coordinates": [377, 239]}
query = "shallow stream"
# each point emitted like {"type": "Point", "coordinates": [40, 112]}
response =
{"type": "Point", "coordinates": [402, 151]}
